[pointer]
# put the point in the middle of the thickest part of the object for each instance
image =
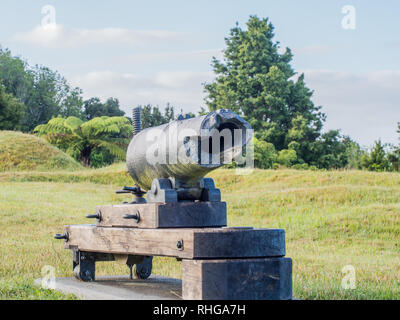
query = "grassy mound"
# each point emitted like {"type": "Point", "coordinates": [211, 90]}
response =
{"type": "Point", "coordinates": [21, 152]}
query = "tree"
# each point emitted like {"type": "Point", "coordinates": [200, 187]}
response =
{"type": "Point", "coordinates": [393, 155]}
{"type": "Point", "coordinates": [45, 93]}
{"type": "Point", "coordinates": [49, 97]}
{"type": "Point", "coordinates": [112, 108]}
{"type": "Point", "coordinates": [353, 153]}
{"type": "Point", "coordinates": [287, 157]}
{"type": "Point", "coordinates": [394, 158]}
{"type": "Point", "coordinates": [264, 154]}
{"type": "Point", "coordinates": [72, 104]}
{"type": "Point", "coordinates": [302, 138]}
{"type": "Point", "coordinates": [169, 113]}
{"type": "Point", "coordinates": [151, 116]}
{"type": "Point", "coordinates": [80, 139]}
{"type": "Point", "coordinates": [11, 111]}
{"type": "Point", "coordinates": [14, 76]}
{"type": "Point", "coordinates": [330, 151]}
{"type": "Point", "coordinates": [256, 81]}
{"type": "Point", "coordinates": [94, 108]}
{"type": "Point", "coordinates": [377, 159]}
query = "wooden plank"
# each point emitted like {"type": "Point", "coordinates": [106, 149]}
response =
{"type": "Point", "coordinates": [112, 215]}
{"type": "Point", "coordinates": [133, 241]}
{"type": "Point", "coordinates": [197, 243]}
{"type": "Point", "coordinates": [165, 215]}
{"type": "Point", "coordinates": [239, 279]}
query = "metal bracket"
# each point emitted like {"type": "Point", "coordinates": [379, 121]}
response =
{"type": "Point", "coordinates": [161, 191]}
{"type": "Point", "coordinates": [143, 269]}
{"type": "Point", "coordinates": [172, 191]}
{"type": "Point", "coordinates": [84, 265]}
{"type": "Point", "coordinates": [209, 193]}
{"type": "Point", "coordinates": [136, 191]}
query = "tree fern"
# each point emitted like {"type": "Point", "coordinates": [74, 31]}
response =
{"type": "Point", "coordinates": [79, 138]}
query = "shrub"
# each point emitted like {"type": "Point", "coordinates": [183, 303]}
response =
{"type": "Point", "coordinates": [264, 154]}
{"type": "Point", "coordinates": [287, 157]}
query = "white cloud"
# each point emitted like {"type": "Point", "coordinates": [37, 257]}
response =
{"type": "Point", "coordinates": [364, 105]}
{"type": "Point", "coordinates": [180, 56]}
{"type": "Point", "coordinates": [58, 36]}
{"type": "Point", "coordinates": [314, 49]}
{"type": "Point", "coordinates": [182, 89]}
{"type": "Point", "coordinates": [309, 49]}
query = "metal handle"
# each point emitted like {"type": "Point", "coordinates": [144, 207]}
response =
{"type": "Point", "coordinates": [59, 236]}
{"type": "Point", "coordinates": [97, 216]}
{"type": "Point", "coordinates": [135, 216]}
{"type": "Point", "coordinates": [134, 190]}
{"type": "Point", "coordinates": [122, 191]}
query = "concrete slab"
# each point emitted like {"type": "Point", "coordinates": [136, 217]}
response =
{"type": "Point", "coordinates": [121, 288]}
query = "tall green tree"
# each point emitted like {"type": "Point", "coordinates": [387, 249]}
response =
{"type": "Point", "coordinates": [14, 75]}
{"type": "Point", "coordinates": [80, 139]}
{"type": "Point", "coordinates": [256, 80]}
{"type": "Point", "coordinates": [44, 92]}
{"type": "Point", "coordinates": [49, 97]}
{"type": "Point", "coordinates": [11, 111]}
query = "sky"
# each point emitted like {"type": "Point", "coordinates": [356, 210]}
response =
{"type": "Point", "coordinates": [160, 51]}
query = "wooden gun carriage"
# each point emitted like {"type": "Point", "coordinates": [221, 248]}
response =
{"type": "Point", "coordinates": [183, 217]}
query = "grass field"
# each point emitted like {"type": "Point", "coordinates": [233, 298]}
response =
{"type": "Point", "coordinates": [332, 219]}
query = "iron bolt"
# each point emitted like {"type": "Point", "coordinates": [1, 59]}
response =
{"type": "Point", "coordinates": [179, 245]}
{"type": "Point", "coordinates": [135, 216]}
{"type": "Point", "coordinates": [97, 216]}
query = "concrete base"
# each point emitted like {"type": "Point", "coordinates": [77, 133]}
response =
{"type": "Point", "coordinates": [121, 288]}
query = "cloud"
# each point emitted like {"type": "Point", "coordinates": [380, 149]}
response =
{"type": "Point", "coordinates": [364, 105]}
{"type": "Point", "coordinates": [58, 36]}
{"type": "Point", "coordinates": [182, 89]}
{"type": "Point", "coordinates": [310, 49]}
{"type": "Point", "coordinates": [314, 49]}
{"type": "Point", "coordinates": [180, 56]}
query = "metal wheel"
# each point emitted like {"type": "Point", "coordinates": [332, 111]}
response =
{"type": "Point", "coordinates": [83, 275]}
{"type": "Point", "coordinates": [143, 270]}
{"type": "Point", "coordinates": [84, 266]}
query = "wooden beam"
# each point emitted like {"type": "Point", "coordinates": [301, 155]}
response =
{"type": "Point", "coordinates": [239, 279]}
{"type": "Point", "coordinates": [165, 215]}
{"type": "Point", "coordinates": [180, 243]}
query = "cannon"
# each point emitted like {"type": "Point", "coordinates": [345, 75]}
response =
{"type": "Point", "coordinates": [186, 150]}
{"type": "Point", "coordinates": [176, 211]}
